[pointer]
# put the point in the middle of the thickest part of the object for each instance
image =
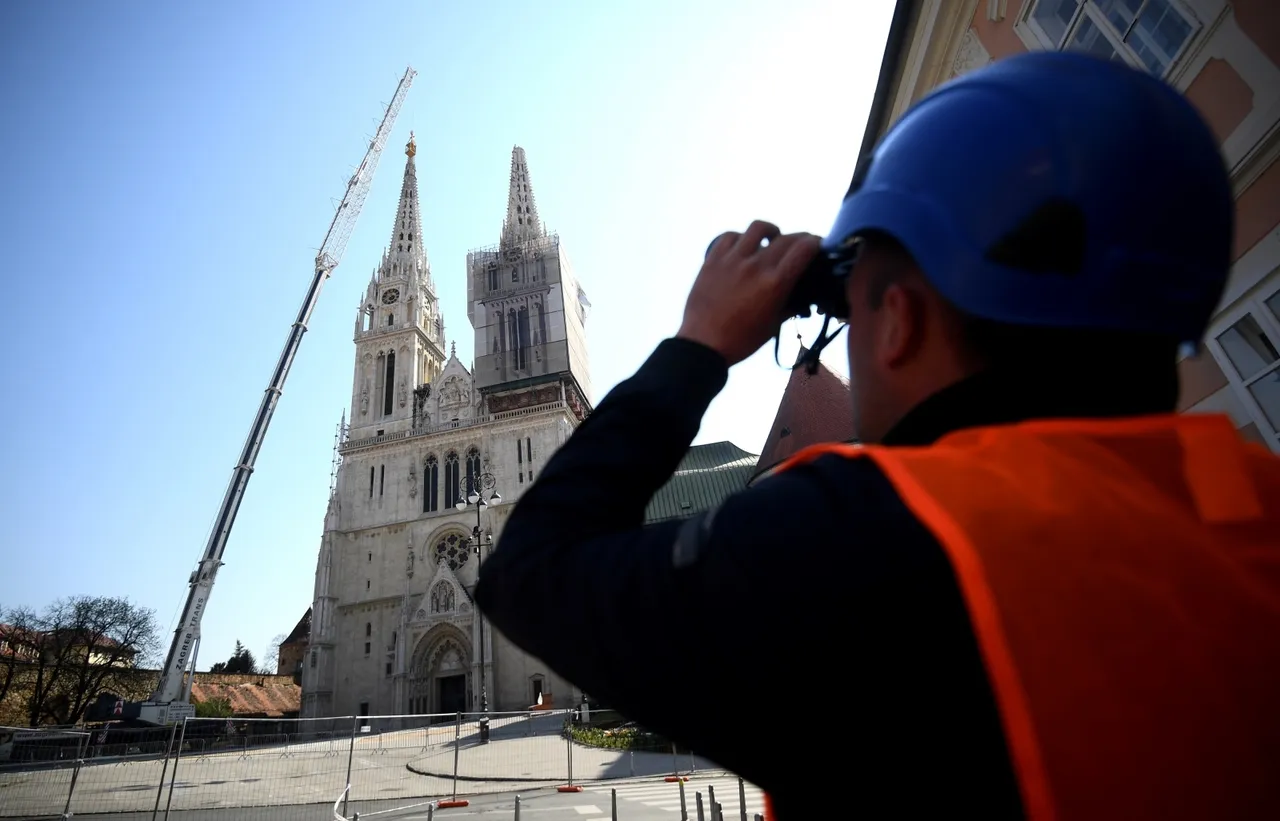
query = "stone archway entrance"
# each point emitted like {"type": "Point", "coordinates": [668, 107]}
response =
{"type": "Point", "coordinates": [440, 674]}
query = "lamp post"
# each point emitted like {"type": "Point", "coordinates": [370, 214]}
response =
{"type": "Point", "coordinates": [481, 493]}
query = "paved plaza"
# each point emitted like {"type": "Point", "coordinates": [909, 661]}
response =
{"type": "Point", "coordinates": [396, 766]}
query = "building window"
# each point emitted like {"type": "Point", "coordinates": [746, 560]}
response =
{"type": "Point", "coordinates": [370, 481]}
{"type": "Point", "coordinates": [430, 485]}
{"type": "Point", "coordinates": [382, 479]}
{"type": "Point", "coordinates": [1248, 349]}
{"type": "Point", "coordinates": [473, 471]}
{"type": "Point", "coordinates": [388, 668]}
{"type": "Point", "coordinates": [389, 385]}
{"type": "Point", "coordinates": [371, 556]}
{"type": "Point", "coordinates": [313, 659]}
{"type": "Point", "coordinates": [451, 480]}
{"type": "Point", "coordinates": [536, 689]}
{"type": "Point", "coordinates": [1149, 34]}
{"type": "Point", "coordinates": [368, 629]}
{"type": "Point", "coordinates": [513, 338]}
{"type": "Point", "coordinates": [366, 648]}
{"type": "Point", "coordinates": [453, 549]}
{"type": "Point", "coordinates": [523, 325]}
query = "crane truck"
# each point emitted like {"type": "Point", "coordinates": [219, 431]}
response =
{"type": "Point", "coordinates": [170, 702]}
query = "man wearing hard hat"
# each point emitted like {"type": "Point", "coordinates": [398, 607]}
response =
{"type": "Point", "coordinates": [1034, 591]}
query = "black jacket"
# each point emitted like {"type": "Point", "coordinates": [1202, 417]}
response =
{"type": "Point", "coordinates": [807, 634]}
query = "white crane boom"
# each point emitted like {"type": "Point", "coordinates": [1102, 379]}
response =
{"type": "Point", "coordinates": [167, 704]}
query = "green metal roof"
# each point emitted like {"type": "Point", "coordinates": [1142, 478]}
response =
{"type": "Point", "coordinates": [707, 475]}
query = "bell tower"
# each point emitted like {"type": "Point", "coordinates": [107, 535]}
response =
{"type": "Point", "coordinates": [399, 332]}
{"type": "Point", "coordinates": [528, 311]}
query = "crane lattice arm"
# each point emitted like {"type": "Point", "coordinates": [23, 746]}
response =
{"type": "Point", "coordinates": [166, 706]}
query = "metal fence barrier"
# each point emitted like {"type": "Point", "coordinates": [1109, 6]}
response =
{"type": "Point", "coordinates": [358, 765]}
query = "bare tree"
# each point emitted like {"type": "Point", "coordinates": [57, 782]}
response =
{"type": "Point", "coordinates": [15, 645]}
{"type": "Point", "coordinates": [82, 646]}
{"type": "Point", "coordinates": [271, 658]}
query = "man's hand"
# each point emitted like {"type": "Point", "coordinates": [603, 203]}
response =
{"type": "Point", "coordinates": [736, 303]}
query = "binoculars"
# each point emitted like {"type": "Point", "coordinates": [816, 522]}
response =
{"type": "Point", "coordinates": [820, 288]}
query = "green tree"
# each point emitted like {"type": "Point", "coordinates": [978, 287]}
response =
{"type": "Point", "coordinates": [213, 708]}
{"type": "Point", "coordinates": [241, 662]}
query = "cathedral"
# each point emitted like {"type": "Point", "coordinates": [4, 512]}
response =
{"type": "Point", "coordinates": [432, 459]}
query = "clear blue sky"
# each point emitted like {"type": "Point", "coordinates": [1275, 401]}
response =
{"type": "Point", "coordinates": [170, 168]}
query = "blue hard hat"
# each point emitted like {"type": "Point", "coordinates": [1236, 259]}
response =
{"type": "Point", "coordinates": [1056, 189]}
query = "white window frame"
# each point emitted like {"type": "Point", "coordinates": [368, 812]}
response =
{"type": "Point", "coordinates": [1035, 38]}
{"type": "Point", "coordinates": [1254, 303]}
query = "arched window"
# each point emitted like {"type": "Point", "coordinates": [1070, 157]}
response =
{"type": "Point", "coordinates": [451, 480]}
{"type": "Point", "coordinates": [523, 324]}
{"type": "Point", "coordinates": [389, 385]}
{"type": "Point", "coordinates": [513, 338]}
{"type": "Point", "coordinates": [473, 472]}
{"type": "Point", "coordinates": [368, 629]}
{"type": "Point", "coordinates": [430, 486]}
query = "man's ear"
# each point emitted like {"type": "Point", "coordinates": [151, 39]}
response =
{"type": "Point", "coordinates": [900, 330]}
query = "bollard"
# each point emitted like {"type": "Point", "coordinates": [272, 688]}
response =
{"type": "Point", "coordinates": [711, 802]}
{"type": "Point", "coordinates": [697, 797]}
{"type": "Point", "coordinates": [759, 817]}
{"type": "Point", "coordinates": [517, 808]}
{"type": "Point", "coordinates": [631, 762]}
{"type": "Point", "coordinates": [684, 812]}
{"type": "Point", "coordinates": [431, 811]}
{"type": "Point", "coordinates": [457, 749]}
{"type": "Point", "coordinates": [742, 799]}
{"type": "Point", "coordinates": [614, 797]}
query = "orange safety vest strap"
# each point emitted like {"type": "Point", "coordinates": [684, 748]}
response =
{"type": "Point", "coordinates": [1019, 729]}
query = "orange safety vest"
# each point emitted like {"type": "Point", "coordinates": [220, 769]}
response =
{"type": "Point", "coordinates": [1123, 581]}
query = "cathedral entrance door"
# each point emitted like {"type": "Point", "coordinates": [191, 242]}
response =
{"type": "Point", "coordinates": [453, 693]}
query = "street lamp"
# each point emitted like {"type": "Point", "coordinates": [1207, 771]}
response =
{"type": "Point", "coordinates": [481, 494]}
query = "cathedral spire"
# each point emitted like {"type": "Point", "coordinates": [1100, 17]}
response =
{"type": "Point", "coordinates": [406, 254]}
{"type": "Point", "coordinates": [522, 221]}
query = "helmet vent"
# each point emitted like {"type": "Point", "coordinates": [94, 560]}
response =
{"type": "Point", "coordinates": [1050, 241]}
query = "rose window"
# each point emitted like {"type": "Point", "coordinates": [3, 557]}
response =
{"type": "Point", "coordinates": [453, 549]}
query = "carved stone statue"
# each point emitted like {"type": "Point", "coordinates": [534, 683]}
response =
{"type": "Point", "coordinates": [404, 392]}
{"type": "Point", "coordinates": [408, 570]}
{"type": "Point", "coordinates": [364, 399]}
{"type": "Point", "coordinates": [453, 392]}
{"type": "Point", "coordinates": [413, 481]}
{"type": "Point", "coordinates": [442, 598]}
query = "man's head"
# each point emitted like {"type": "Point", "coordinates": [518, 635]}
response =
{"type": "Point", "coordinates": [906, 342]}
{"type": "Point", "coordinates": [1050, 213]}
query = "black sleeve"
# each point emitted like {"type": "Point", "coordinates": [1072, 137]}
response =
{"type": "Point", "coordinates": [811, 610]}
{"type": "Point", "coordinates": [650, 620]}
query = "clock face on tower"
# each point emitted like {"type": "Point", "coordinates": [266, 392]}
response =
{"type": "Point", "coordinates": [390, 295]}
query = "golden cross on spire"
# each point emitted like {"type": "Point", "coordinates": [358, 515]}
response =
{"type": "Point", "coordinates": [411, 148]}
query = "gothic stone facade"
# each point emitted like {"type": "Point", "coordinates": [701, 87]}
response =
{"type": "Point", "coordinates": [394, 629]}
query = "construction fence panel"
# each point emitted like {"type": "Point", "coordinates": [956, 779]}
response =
{"type": "Point", "coordinates": [383, 753]}
{"type": "Point", "coordinates": [367, 764]}
{"type": "Point", "coordinates": [224, 764]}
{"type": "Point", "coordinates": [37, 770]}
